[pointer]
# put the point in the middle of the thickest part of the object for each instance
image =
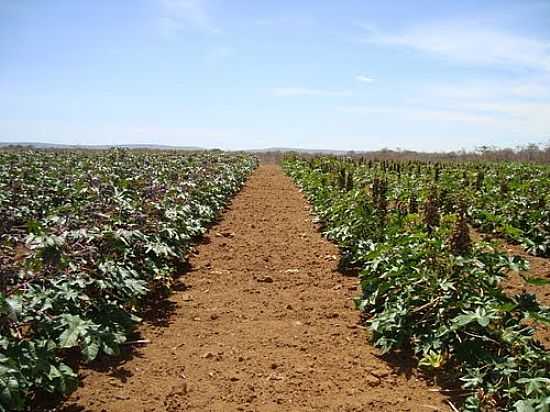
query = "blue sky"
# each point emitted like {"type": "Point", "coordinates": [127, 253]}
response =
{"type": "Point", "coordinates": [425, 75]}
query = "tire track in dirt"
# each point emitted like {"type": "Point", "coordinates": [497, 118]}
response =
{"type": "Point", "coordinates": [266, 323]}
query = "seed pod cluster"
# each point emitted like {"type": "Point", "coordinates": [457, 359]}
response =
{"type": "Point", "coordinates": [460, 240]}
{"type": "Point", "coordinates": [431, 211]}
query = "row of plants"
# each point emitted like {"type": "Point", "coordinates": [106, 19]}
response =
{"type": "Point", "coordinates": [509, 200]}
{"type": "Point", "coordinates": [426, 287]}
{"type": "Point", "coordinates": [85, 239]}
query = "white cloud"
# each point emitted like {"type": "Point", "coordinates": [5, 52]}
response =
{"type": "Point", "coordinates": [513, 104]}
{"type": "Point", "coordinates": [517, 110]}
{"type": "Point", "coordinates": [496, 117]}
{"type": "Point", "coordinates": [302, 91]}
{"type": "Point", "coordinates": [180, 15]}
{"type": "Point", "coordinates": [413, 113]}
{"type": "Point", "coordinates": [531, 88]}
{"type": "Point", "coordinates": [471, 43]}
{"type": "Point", "coordinates": [364, 79]}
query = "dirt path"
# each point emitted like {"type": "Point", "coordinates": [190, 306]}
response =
{"type": "Point", "coordinates": [266, 324]}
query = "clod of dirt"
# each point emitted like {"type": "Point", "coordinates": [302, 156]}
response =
{"type": "Point", "coordinates": [371, 380]}
{"type": "Point", "coordinates": [275, 377]}
{"type": "Point", "coordinates": [226, 233]}
{"type": "Point", "coordinates": [379, 373]}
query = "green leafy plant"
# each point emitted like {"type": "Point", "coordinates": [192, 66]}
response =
{"type": "Point", "coordinates": [426, 287]}
{"type": "Point", "coordinates": [85, 238]}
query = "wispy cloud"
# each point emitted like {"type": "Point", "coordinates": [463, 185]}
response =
{"type": "Point", "coordinates": [413, 113]}
{"type": "Point", "coordinates": [523, 111]}
{"type": "Point", "coordinates": [532, 89]}
{"type": "Point", "coordinates": [364, 79]}
{"type": "Point", "coordinates": [525, 119]}
{"type": "Point", "coordinates": [470, 42]}
{"type": "Point", "coordinates": [302, 91]}
{"type": "Point", "coordinates": [180, 15]}
{"type": "Point", "coordinates": [490, 89]}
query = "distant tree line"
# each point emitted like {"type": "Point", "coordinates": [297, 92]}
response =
{"type": "Point", "coordinates": [535, 153]}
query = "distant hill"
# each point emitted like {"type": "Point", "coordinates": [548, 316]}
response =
{"type": "Point", "coordinates": [537, 152]}
{"type": "Point", "coordinates": [296, 150]}
{"type": "Point", "coordinates": [38, 145]}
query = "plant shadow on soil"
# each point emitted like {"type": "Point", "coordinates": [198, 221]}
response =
{"type": "Point", "coordinates": [403, 361]}
{"type": "Point", "coordinates": [158, 311]}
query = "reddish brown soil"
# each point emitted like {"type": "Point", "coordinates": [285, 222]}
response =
{"type": "Point", "coordinates": [539, 267]}
{"type": "Point", "coordinates": [266, 324]}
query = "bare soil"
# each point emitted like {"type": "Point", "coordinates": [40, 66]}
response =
{"type": "Point", "coordinates": [263, 321]}
{"type": "Point", "coordinates": [539, 267]}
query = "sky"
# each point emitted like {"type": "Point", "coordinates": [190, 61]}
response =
{"type": "Point", "coordinates": [238, 74]}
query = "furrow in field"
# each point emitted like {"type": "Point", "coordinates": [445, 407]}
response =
{"type": "Point", "coordinates": [263, 321]}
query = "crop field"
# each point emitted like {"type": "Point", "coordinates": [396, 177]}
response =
{"type": "Point", "coordinates": [426, 286]}
{"type": "Point", "coordinates": [84, 239]}
{"type": "Point", "coordinates": [323, 283]}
